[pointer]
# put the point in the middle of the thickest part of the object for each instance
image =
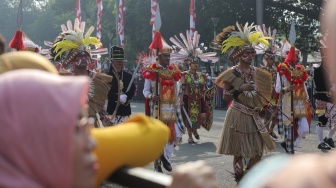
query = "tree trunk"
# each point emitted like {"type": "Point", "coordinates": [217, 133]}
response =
{"type": "Point", "coordinates": [304, 58]}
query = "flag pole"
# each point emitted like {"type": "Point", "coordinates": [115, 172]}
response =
{"type": "Point", "coordinates": [116, 23]}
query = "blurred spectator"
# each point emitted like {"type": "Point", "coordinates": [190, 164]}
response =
{"type": "Point", "coordinates": [2, 45]}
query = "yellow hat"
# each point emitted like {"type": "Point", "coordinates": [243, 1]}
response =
{"type": "Point", "coordinates": [25, 60]}
{"type": "Point", "coordinates": [134, 143]}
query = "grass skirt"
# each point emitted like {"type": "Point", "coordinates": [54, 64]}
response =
{"type": "Point", "coordinates": [240, 144]}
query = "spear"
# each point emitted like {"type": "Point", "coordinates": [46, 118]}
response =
{"type": "Point", "coordinates": [292, 38]}
{"type": "Point", "coordinates": [157, 26]}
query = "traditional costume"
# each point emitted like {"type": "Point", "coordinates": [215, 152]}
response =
{"type": "Point", "coordinates": [73, 47]}
{"type": "Point", "coordinates": [271, 54]}
{"type": "Point", "coordinates": [292, 74]}
{"type": "Point", "coordinates": [198, 100]}
{"type": "Point", "coordinates": [323, 101]}
{"type": "Point", "coordinates": [243, 133]}
{"type": "Point", "coordinates": [162, 81]}
{"type": "Point", "coordinates": [119, 97]}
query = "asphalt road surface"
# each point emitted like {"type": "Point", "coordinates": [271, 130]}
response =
{"type": "Point", "coordinates": [205, 148]}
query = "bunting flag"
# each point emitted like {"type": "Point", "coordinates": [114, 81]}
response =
{"type": "Point", "coordinates": [192, 11]}
{"type": "Point", "coordinates": [99, 22]}
{"type": "Point", "coordinates": [78, 11]}
{"type": "Point", "coordinates": [156, 27]}
{"type": "Point", "coordinates": [121, 22]}
{"type": "Point", "coordinates": [153, 11]}
{"type": "Point", "coordinates": [99, 16]}
{"type": "Point", "coordinates": [154, 4]}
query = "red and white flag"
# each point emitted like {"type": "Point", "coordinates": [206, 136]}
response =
{"type": "Point", "coordinates": [154, 6]}
{"type": "Point", "coordinates": [99, 28]}
{"type": "Point", "coordinates": [78, 11]}
{"type": "Point", "coordinates": [121, 22]}
{"type": "Point", "coordinates": [99, 16]}
{"type": "Point", "coordinates": [192, 11]}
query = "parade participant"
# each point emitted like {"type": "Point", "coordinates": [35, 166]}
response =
{"type": "Point", "coordinates": [290, 84]}
{"type": "Point", "coordinates": [323, 101]}
{"type": "Point", "coordinates": [161, 89]}
{"type": "Point", "coordinates": [296, 171]}
{"type": "Point", "coordinates": [269, 60]}
{"type": "Point", "coordinates": [194, 86]}
{"type": "Point", "coordinates": [2, 45]}
{"type": "Point", "coordinates": [122, 89]}
{"type": "Point", "coordinates": [271, 116]}
{"type": "Point", "coordinates": [75, 47]}
{"type": "Point", "coordinates": [243, 134]}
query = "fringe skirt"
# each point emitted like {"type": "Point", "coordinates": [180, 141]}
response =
{"type": "Point", "coordinates": [248, 144]}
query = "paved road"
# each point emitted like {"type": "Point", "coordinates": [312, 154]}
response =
{"type": "Point", "coordinates": [206, 147]}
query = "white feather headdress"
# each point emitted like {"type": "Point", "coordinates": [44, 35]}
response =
{"type": "Point", "coordinates": [188, 48]}
{"type": "Point", "coordinates": [274, 46]}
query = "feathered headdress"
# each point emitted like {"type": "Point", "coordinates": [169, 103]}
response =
{"type": "Point", "coordinates": [190, 49]}
{"type": "Point", "coordinates": [273, 47]}
{"type": "Point", "coordinates": [145, 60]}
{"type": "Point", "coordinates": [235, 40]}
{"type": "Point", "coordinates": [72, 41]}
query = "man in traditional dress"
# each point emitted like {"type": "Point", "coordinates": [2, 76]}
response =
{"type": "Point", "coordinates": [243, 133]}
{"type": "Point", "coordinates": [161, 89]}
{"type": "Point", "coordinates": [270, 111]}
{"type": "Point", "coordinates": [73, 48]}
{"type": "Point", "coordinates": [291, 77]}
{"type": "Point", "coordinates": [324, 105]}
{"type": "Point", "coordinates": [193, 82]}
{"type": "Point", "coordinates": [119, 97]}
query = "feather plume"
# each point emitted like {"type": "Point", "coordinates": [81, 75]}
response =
{"type": "Point", "coordinates": [189, 43]}
{"type": "Point", "coordinates": [184, 46]}
{"type": "Point", "coordinates": [197, 40]}
{"type": "Point", "coordinates": [76, 25]}
{"type": "Point", "coordinates": [194, 41]}
{"type": "Point", "coordinates": [191, 49]}
{"type": "Point", "coordinates": [64, 28]}
{"type": "Point", "coordinates": [177, 43]}
{"type": "Point", "coordinates": [69, 24]}
{"type": "Point", "coordinates": [82, 27]}
{"type": "Point", "coordinates": [184, 40]}
{"type": "Point", "coordinates": [274, 33]}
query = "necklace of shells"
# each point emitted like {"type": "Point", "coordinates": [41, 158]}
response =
{"type": "Point", "coordinates": [248, 78]}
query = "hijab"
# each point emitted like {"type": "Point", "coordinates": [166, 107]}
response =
{"type": "Point", "coordinates": [38, 114]}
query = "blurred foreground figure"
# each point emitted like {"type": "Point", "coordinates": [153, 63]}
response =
{"type": "Point", "coordinates": [2, 45]}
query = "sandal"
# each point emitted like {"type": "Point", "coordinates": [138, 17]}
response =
{"type": "Point", "coordinates": [191, 141]}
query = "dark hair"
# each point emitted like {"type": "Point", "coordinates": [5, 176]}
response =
{"type": "Point", "coordinates": [2, 45]}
